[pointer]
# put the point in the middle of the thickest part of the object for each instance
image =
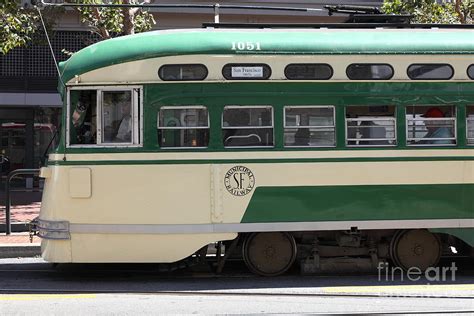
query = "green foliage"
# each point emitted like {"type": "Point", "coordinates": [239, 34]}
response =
{"type": "Point", "coordinates": [430, 11]}
{"type": "Point", "coordinates": [111, 22]}
{"type": "Point", "coordinates": [18, 25]}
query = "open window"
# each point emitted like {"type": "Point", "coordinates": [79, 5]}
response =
{"type": "Point", "coordinates": [371, 126]}
{"type": "Point", "coordinates": [183, 127]}
{"type": "Point", "coordinates": [431, 125]}
{"type": "Point", "coordinates": [104, 117]}
{"type": "Point", "coordinates": [247, 126]}
{"type": "Point", "coordinates": [309, 126]}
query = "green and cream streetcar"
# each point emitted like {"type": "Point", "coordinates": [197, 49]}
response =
{"type": "Point", "coordinates": [325, 148]}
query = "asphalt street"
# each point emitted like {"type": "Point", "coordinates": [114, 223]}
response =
{"type": "Point", "coordinates": [33, 286]}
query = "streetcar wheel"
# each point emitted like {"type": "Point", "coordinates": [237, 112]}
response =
{"type": "Point", "coordinates": [269, 254]}
{"type": "Point", "coordinates": [416, 248]}
{"type": "Point", "coordinates": [393, 244]}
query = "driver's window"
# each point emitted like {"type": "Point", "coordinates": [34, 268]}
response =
{"type": "Point", "coordinates": [83, 122]}
{"type": "Point", "coordinates": [104, 117]}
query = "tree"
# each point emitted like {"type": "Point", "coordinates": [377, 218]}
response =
{"type": "Point", "coordinates": [18, 25]}
{"type": "Point", "coordinates": [21, 24]}
{"type": "Point", "coordinates": [110, 22]}
{"type": "Point", "coordinates": [431, 11]}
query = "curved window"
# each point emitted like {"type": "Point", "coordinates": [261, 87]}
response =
{"type": "Point", "coordinates": [430, 71]}
{"type": "Point", "coordinates": [182, 72]}
{"type": "Point", "coordinates": [470, 71]}
{"type": "Point", "coordinates": [369, 71]}
{"type": "Point", "coordinates": [246, 71]}
{"type": "Point", "coordinates": [308, 72]}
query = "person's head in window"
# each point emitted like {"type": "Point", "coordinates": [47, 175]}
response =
{"type": "Point", "coordinates": [437, 129]}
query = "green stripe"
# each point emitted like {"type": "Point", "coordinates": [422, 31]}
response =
{"type": "Point", "coordinates": [247, 161]}
{"type": "Point", "coordinates": [361, 202]}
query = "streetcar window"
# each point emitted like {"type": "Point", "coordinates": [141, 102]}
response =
{"type": "Point", "coordinates": [117, 117]}
{"type": "Point", "coordinates": [371, 126]}
{"type": "Point", "coordinates": [369, 71]}
{"type": "Point", "coordinates": [470, 124]}
{"type": "Point", "coordinates": [104, 117]}
{"type": "Point", "coordinates": [430, 71]}
{"type": "Point", "coordinates": [183, 127]}
{"type": "Point", "coordinates": [308, 72]}
{"type": "Point", "coordinates": [244, 126]}
{"type": "Point", "coordinates": [246, 71]}
{"type": "Point", "coordinates": [182, 72]}
{"type": "Point", "coordinates": [470, 71]}
{"type": "Point", "coordinates": [309, 126]}
{"type": "Point", "coordinates": [83, 117]}
{"type": "Point", "coordinates": [431, 125]}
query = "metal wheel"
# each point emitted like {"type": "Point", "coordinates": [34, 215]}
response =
{"type": "Point", "coordinates": [393, 244]}
{"type": "Point", "coordinates": [416, 248]}
{"type": "Point", "coordinates": [269, 254]}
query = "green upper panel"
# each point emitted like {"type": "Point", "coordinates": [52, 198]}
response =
{"type": "Point", "coordinates": [211, 41]}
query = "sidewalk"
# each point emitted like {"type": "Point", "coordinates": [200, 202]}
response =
{"type": "Point", "coordinates": [25, 206]}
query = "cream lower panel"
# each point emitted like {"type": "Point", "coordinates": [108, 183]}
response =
{"type": "Point", "coordinates": [196, 194]}
{"type": "Point", "coordinates": [132, 194]}
{"type": "Point", "coordinates": [275, 155]}
{"type": "Point", "coordinates": [56, 251]}
{"type": "Point", "coordinates": [139, 247]}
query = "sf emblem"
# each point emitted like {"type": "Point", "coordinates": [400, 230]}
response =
{"type": "Point", "coordinates": [239, 181]}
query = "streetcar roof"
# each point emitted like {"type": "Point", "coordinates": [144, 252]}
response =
{"type": "Point", "coordinates": [271, 42]}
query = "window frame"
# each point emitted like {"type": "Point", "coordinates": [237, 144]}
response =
{"type": "Point", "coordinates": [371, 64]}
{"type": "Point", "coordinates": [455, 128]}
{"type": "Point", "coordinates": [184, 107]}
{"type": "Point", "coordinates": [137, 110]}
{"type": "Point", "coordinates": [179, 80]}
{"type": "Point", "coordinates": [428, 64]}
{"type": "Point", "coordinates": [239, 107]}
{"type": "Point", "coordinates": [309, 127]}
{"type": "Point", "coordinates": [309, 64]}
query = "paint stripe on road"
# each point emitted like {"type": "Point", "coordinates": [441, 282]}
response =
{"type": "Point", "coordinates": [31, 297]}
{"type": "Point", "coordinates": [406, 289]}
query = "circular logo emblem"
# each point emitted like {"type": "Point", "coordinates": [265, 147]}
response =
{"type": "Point", "coordinates": [239, 181]}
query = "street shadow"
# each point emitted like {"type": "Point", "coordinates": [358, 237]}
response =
{"type": "Point", "coordinates": [150, 278]}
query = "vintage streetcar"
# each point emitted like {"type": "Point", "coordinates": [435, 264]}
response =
{"type": "Point", "coordinates": [323, 149]}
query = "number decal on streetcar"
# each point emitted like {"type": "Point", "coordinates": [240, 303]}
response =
{"type": "Point", "coordinates": [246, 46]}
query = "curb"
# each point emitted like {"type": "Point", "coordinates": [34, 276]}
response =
{"type": "Point", "coordinates": [20, 250]}
{"type": "Point", "coordinates": [17, 227]}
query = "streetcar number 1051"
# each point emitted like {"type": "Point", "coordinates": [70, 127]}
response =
{"type": "Point", "coordinates": [246, 46]}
